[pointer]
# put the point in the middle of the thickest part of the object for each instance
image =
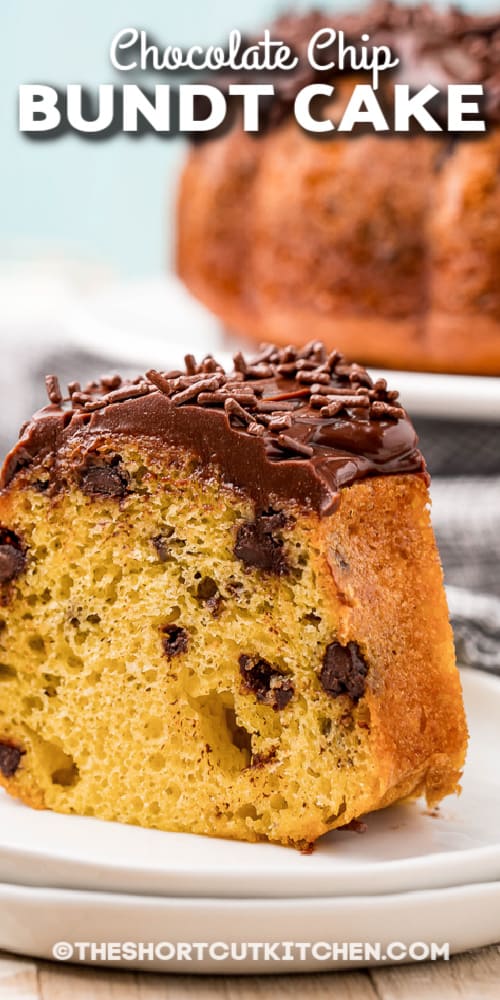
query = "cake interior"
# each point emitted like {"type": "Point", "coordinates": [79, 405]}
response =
{"type": "Point", "coordinates": [152, 675]}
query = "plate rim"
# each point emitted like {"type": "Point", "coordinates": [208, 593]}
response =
{"type": "Point", "coordinates": [426, 915]}
{"type": "Point", "coordinates": [479, 863]}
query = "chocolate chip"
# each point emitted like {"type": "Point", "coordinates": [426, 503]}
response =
{"type": "Point", "coordinates": [104, 480]}
{"type": "Point", "coordinates": [41, 485]}
{"type": "Point", "coordinates": [273, 520]}
{"type": "Point", "coordinates": [259, 760]}
{"type": "Point", "coordinates": [282, 693]}
{"type": "Point", "coordinates": [10, 757]}
{"type": "Point", "coordinates": [256, 545]}
{"type": "Point", "coordinates": [160, 543]}
{"type": "Point", "coordinates": [12, 557]}
{"type": "Point", "coordinates": [175, 640]}
{"type": "Point", "coordinates": [208, 593]}
{"type": "Point", "coordinates": [12, 563]}
{"type": "Point", "coordinates": [270, 686]}
{"type": "Point", "coordinates": [344, 670]}
{"type": "Point", "coordinates": [215, 605]}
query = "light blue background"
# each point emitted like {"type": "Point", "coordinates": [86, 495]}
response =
{"type": "Point", "coordinates": [106, 200]}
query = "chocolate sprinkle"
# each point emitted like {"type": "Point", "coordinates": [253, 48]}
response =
{"type": "Point", "coordinates": [289, 443]}
{"type": "Point", "coordinates": [159, 380]}
{"type": "Point", "coordinates": [10, 758]}
{"type": "Point", "coordinates": [381, 410]}
{"type": "Point", "coordinates": [269, 684]}
{"type": "Point", "coordinates": [234, 409]}
{"type": "Point", "coordinates": [344, 671]}
{"type": "Point", "coordinates": [53, 389]}
{"type": "Point", "coordinates": [193, 391]}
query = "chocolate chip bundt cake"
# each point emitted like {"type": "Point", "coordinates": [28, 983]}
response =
{"type": "Point", "coordinates": [222, 607]}
{"type": "Point", "coordinates": [387, 246]}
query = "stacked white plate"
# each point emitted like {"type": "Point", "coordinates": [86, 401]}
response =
{"type": "Point", "coordinates": [413, 876]}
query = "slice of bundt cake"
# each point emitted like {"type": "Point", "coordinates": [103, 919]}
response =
{"type": "Point", "coordinates": [222, 607]}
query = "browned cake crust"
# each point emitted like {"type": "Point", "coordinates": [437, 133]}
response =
{"type": "Point", "coordinates": [387, 247]}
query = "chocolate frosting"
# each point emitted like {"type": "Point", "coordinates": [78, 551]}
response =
{"type": "Point", "coordinates": [297, 424]}
{"type": "Point", "coordinates": [434, 46]}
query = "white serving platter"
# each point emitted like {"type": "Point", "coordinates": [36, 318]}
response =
{"type": "Point", "coordinates": [34, 920]}
{"type": "Point", "coordinates": [404, 848]}
{"type": "Point", "coordinates": [155, 322]}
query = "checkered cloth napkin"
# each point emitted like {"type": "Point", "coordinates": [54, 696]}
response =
{"type": "Point", "coordinates": [466, 517]}
{"type": "Point", "coordinates": [465, 511]}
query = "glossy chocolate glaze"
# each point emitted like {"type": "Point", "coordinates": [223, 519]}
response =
{"type": "Point", "coordinates": [291, 424]}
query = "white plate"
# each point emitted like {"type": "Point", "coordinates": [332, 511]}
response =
{"type": "Point", "coordinates": [155, 321]}
{"type": "Point", "coordinates": [146, 322]}
{"type": "Point", "coordinates": [404, 847]}
{"type": "Point", "coordinates": [33, 920]}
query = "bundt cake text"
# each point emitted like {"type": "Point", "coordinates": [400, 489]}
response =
{"type": "Point", "coordinates": [204, 108]}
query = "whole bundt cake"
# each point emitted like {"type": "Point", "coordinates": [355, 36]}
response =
{"type": "Point", "coordinates": [386, 246]}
